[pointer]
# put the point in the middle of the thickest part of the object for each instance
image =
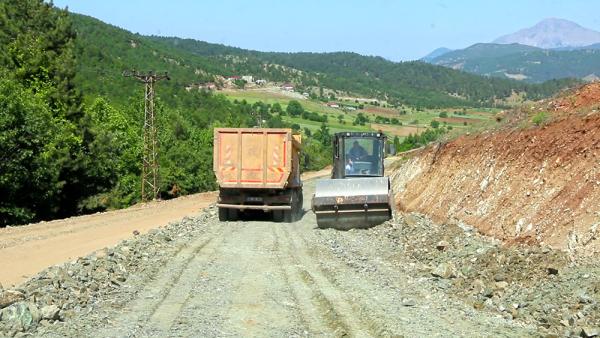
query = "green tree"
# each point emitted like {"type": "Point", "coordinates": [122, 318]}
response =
{"type": "Point", "coordinates": [435, 124]}
{"type": "Point", "coordinates": [294, 108]}
{"type": "Point", "coordinates": [116, 151]}
{"type": "Point", "coordinates": [38, 47]}
{"type": "Point", "coordinates": [34, 145]}
{"type": "Point", "coordinates": [396, 143]}
{"type": "Point", "coordinates": [39, 53]}
{"type": "Point", "coordinates": [276, 122]}
{"type": "Point", "coordinates": [323, 135]}
{"type": "Point", "coordinates": [239, 83]}
{"type": "Point", "coordinates": [316, 154]}
{"type": "Point", "coordinates": [361, 119]}
{"type": "Point", "coordinates": [276, 108]}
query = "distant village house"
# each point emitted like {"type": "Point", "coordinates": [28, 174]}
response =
{"type": "Point", "coordinates": [288, 87]}
{"type": "Point", "coordinates": [209, 86]}
{"type": "Point", "coordinates": [200, 86]}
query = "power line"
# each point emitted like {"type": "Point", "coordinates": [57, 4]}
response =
{"type": "Point", "coordinates": [150, 165]}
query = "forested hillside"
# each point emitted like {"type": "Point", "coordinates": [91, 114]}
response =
{"type": "Point", "coordinates": [107, 50]}
{"type": "Point", "coordinates": [412, 83]}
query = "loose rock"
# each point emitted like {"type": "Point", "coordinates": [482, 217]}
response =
{"type": "Point", "coordinates": [50, 312]}
{"type": "Point", "coordinates": [590, 331]}
{"type": "Point", "coordinates": [442, 245]}
{"type": "Point", "coordinates": [20, 316]}
{"type": "Point", "coordinates": [444, 270]}
{"type": "Point", "coordinates": [8, 297]}
{"type": "Point", "coordinates": [408, 302]}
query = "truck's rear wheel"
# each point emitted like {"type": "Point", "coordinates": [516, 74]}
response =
{"type": "Point", "coordinates": [300, 206]}
{"type": "Point", "coordinates": [288, 216]}
{"type": "Point", "coordinates": [295, 213]}
{"type": "Point", "coordinates": [234, 215]}
{"type": "Point", "coordinates": [227, 214]}
{"type": "Point", "coordinates": [223, 214]}
{"type": "Point", "coordinates": [278, 215]}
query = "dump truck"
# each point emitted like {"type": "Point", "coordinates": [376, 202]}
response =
{"type": "Point", "coordinates": [258, 169]}
{"type": "Point", "coordinates": [358, 194]}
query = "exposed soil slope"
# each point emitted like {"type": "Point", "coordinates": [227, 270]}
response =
{"type": "Point", "coordinates": [586, 98]}
{"type": "Point", "coordinates": [536, 185]}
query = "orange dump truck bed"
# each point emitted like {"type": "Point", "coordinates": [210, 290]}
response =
{"type": "Point", "coordinates": [257, 168]}
{"type": "Point", "coordinates": [256, 158]}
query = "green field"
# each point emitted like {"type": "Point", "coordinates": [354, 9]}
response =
{"type": "Point", "coordinates": [412, 122]}
{"type": "Point", "coordinates": [252, 96]}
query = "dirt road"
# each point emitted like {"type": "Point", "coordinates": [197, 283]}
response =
{"type": "Point", "coordinates": [28, 249]}
{"type": "Point", "coordinates": [263, 279]}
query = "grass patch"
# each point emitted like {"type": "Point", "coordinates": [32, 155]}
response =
{"type": "Point", "coordinates": [540, 118]}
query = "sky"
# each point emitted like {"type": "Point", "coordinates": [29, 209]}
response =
{"type": "Point", "coordinates": [395, 29]}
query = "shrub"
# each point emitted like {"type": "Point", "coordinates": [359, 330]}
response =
{"type": "Point", "coordinates": [294, 108]}
{"type": "Point", "coordinates": [540, 118]}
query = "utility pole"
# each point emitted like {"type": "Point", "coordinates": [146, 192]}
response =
{"type": "Point", "coordinates": [150, 165]}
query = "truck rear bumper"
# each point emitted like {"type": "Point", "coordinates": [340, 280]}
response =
{"type": "Point", "coordinates": [255, 199]}
{"type": "Point", "coordinates": [254, 207]}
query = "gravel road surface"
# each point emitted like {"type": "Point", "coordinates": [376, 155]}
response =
{"type": "Point", "coordinates": [262, 279]}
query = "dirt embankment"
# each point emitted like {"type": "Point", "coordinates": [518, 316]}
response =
{"type": "Point", "coordinates": [582, 99]}
{"type": "Point", "coordinates": [537, 185]}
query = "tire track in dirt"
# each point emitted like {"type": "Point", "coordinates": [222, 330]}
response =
{"type": "Point", "coordinates": [327, 301]}
{"type": "Point", "coordinates": [259, 298]}
{"type": "Point", "coordinates": [379, 291]}
{"type": "Point", "coordinates": [160, 302]}
{"type": "Point", "coordinates": [180, 289]}
{"type": "Point", "coordinates": [373, 314]}
{"type": "Point", "coordinates": [305, 294]}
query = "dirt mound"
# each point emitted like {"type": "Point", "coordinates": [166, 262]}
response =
{"type": "Point", "coordinates": [521, 283]}
{"type": "Point", "coordinates": [585, 97]}
{"type": "Point", "coordinates": [539, 185]}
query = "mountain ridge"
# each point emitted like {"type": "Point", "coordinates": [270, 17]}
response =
{"type": "Point", "coordinates": [552, 33]}
{"type": "Point", "coordinates": [106, 50]}
{"type": "Point", "coordinates": [520, 62]}
{"type": "Point", "coordinates": [536, 54]}
{"type": "Point", "coordinates": [436, 53]}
